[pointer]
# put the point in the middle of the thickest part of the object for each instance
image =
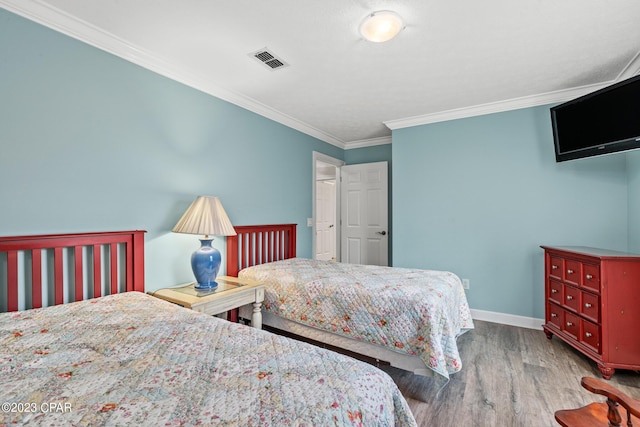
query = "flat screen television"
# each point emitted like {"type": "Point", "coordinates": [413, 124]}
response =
{"type": "Point", "coordinates": [602, 122]}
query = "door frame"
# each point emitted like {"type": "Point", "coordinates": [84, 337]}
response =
{"type": "Point", "coordinates": [320, 157]}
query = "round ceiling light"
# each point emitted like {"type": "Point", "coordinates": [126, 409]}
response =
{"type": "Point", "coordinates": [381, 26]}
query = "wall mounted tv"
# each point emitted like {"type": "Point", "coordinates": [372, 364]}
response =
{"type": "Point", "coordinates": [602, 122]}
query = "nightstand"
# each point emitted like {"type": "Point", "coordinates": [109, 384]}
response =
{"type": "Point", "coordinates": [230, 294]}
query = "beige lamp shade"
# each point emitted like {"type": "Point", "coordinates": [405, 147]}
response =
{"type": "Point", "coordinates": [205, 216]}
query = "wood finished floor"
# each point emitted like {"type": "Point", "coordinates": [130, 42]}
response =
{"type": "Point", "coordinates": [510, 377]}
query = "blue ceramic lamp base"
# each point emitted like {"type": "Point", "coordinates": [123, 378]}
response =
{"type": "Point", "coordinates": [205, 263]}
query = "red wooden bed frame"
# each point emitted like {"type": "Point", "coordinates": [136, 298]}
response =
{"type": "Point", "coordinates": [258, 244]}
{"type": "Point", "coordinates": [133, 242]}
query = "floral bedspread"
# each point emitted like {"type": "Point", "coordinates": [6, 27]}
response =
{"type": "Point", "coordinates": [412, 311]}
{"type": "Point", "coordinates": [132, 359]}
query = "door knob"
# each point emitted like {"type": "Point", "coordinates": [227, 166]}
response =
{"type": "Point", "coordinates": [382, 232]}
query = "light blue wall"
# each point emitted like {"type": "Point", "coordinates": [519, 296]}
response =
{"type": "Point", "coordinates": [633, 170]}
{"type": "Point", "coordinates": [90, 142]}
{"type": "Point", "coordinates": [478, 196]}
{"type": "Point", "coordinates": [376, 153]}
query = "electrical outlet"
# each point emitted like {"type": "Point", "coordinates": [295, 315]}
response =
{"type": "Point", "coordinates": [465, 283]}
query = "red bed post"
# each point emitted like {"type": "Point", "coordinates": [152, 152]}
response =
{"type": "Point", "coordinates": [290, 250]}
{"type": "Point", "coordinates": [137, 252]}
{"type": "Point", "coordinates": [232, 254]}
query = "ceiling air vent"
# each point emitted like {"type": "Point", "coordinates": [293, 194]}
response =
{"type": "Point", "coordinates": [269, 59]}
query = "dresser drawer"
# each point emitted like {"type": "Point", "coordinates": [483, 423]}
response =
{"type": "Point", "coordinates": [590, 307]}
{"type": "Point", "coordinates": [591, 277]}
{"type": "Point", "coordinates": [573, 272]}
{"type": "Point", "coordinates": [555, 292]}
{"type": "Point", "coordinates": [556, 268]}
{"type": "Point", "coordinates": [591, 336]}
{"type": "Point", "coordinates": [571, 298]}
{"type": "Point", "coordinates": [571, 325]}
{"type": "Point", "coordinates": [556, 316]}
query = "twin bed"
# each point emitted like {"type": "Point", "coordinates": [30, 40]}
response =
{"type": "Point", "coordinates": [105, 353]}
{"type": "Point", "coordinates": [409, 318]}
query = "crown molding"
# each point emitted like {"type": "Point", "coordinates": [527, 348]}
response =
{"type": "Point", "coordinates": [382, 140]}
{"type": "Point", "coordinates": [496, 107]}
{"type": "Point", "coordinates": [57, 20]}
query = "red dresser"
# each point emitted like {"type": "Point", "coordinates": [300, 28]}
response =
{"type": "Point", "coordinates": [592, 302]}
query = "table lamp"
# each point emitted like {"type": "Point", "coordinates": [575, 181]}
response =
{"type": "Point", "coordinates": [205, 216]}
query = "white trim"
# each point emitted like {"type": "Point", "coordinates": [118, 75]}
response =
{"type": "Point", "coordinates": [507, 319]}
{"type": "Point", "coordinates": [368, 142]}
{"type": "Point", "coordinates": [496, 107]}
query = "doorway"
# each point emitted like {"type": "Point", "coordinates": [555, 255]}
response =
{"type": "Point", "coordinates": [326, 207]}
{"type": "Point", "coordinates": [350, 218]}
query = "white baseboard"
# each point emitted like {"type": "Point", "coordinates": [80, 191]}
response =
{"type": "Point", "coordinates": [507, 319]}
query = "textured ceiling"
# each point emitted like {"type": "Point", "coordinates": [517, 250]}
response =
{"type": "Point", "coordinates": [453, 59]}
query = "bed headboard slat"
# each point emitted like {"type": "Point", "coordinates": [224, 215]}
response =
{"type": "Point", "coordinates": [22, 283]}
{"type": "Point", "coordinates": [36, 279]}
{"type": "Point", "coordinates": [58, 277]}
{"type": "Point", "coordinates": [258, 244]}
{"type": "Point", "coordinates": [97, 271]}
{"type": "Point", "coordinates": [79, 268]}
{"type": "Point", "coordinates": [113, 253]}
{"type": "Point", "coordinates": [12, 280]}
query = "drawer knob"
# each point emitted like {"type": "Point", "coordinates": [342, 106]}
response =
{"type": "Point", "coordinates": [589, 277]}
{"type": "Point", "coordinates": [569, 271]}
{"type": "Point", "coordinates": [588, 334]}
{"type": "Point", "coordinates": [554, 315]}
{"type": "Point", "coordinates": [554, 267]}
{"type": "Point", "coordinates": [569, 324]}
{"type": "Point", "coordinates": [587, 305]}
{"type": "Point", "coordinates": [554, 291]}
{"type": "Point", "coordinates": [569, 297]}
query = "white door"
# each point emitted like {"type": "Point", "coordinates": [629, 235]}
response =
{"type": "Point", "coordinates": [364, 214]}
{"type": "Point", "coordinates": [326, 169]}
{"type": "Point", "coordinates": [326, 220]}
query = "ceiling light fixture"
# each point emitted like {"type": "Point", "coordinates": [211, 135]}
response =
{"type": "Point", "coordinates": [381, 26]}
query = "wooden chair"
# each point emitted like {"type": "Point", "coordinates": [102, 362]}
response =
{"type": "Point", "coordinates": [601, 414]}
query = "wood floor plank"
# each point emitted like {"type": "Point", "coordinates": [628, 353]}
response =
{"type": "Point", "coordinates": [511, 377]}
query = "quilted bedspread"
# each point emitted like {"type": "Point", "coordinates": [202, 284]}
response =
{"type": "Point", "coordinates": [412, 311]}
{"type": "Point", "coordinates": [132, 359]}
